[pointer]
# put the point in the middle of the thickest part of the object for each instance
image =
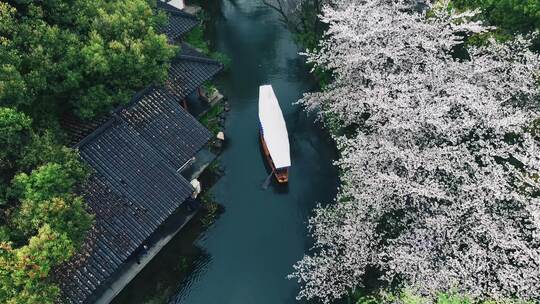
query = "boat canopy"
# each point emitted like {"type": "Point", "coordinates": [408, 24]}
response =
{"type": "Point", "coordinates": [273, 127]}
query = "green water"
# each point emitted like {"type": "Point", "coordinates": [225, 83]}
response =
{"type": "Point", "coordinates": [246, 255]}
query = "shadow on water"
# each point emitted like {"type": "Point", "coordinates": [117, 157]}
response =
{"type": "Point", "coordinates": [245, 256]}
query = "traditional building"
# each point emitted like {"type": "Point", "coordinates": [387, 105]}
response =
{"type": "Point", "coordinates": [134, 189]}
{"type": "Point", "coordinates": [187, 73]}
{"type": "Point", "coordinates": [178, 23]}
{"type": "Point", "coordinates": [137, 191]}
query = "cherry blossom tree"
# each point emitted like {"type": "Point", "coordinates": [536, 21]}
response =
{"type": "Point", "coordinates": [440, 184]}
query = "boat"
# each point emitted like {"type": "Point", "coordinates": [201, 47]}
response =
{"type": "Point", "coordinates": [273, 134]}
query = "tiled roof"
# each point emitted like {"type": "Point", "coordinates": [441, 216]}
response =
{"type": "Point", "coordinates": [159, 119]}
{"type": "Point", "coordinates": [133, 190]}
{"type": "Point", "coordinates": [135, 153]}
{"type": "Point", "coordinates": [77, 129]}
{"type": "Point", "coordinates": [135, 169]}
{"type": "Point", "coordinates": [135, 186]}
{"type": "Point", "coordinates": [110, 241]}
{"type": "Point", "coordinates": [121, 226]}
{"type": "Point", "coordinates": [189, 71]}
{"type": "Point", "coordinates": [178, 23]}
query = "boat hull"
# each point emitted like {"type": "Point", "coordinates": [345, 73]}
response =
{"type": "Point", "coordinates": [281, 175]}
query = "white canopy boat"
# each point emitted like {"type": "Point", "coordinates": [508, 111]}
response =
{"type": "Point", "coordinates": [274, 136]}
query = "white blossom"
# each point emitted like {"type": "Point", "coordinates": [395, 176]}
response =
{"type": "Point", "coordinates": [440, 174]}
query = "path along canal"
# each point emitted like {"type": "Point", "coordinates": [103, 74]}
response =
{"type": "Point", "coordinates": [246, 255]}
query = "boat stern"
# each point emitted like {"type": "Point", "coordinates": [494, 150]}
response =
{"type": "Point", "coordinates": [282, 175]}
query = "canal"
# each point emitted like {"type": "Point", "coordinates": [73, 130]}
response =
{"type": "Point", "coordinates": [245, 256]}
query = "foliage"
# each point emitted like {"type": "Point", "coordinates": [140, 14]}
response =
{"type": "Point", "coordinates": [184, 264]}
{"type": "Point", "coordinates": [45, 148]}
{"type": "Point", "coordinates": [23, 271]}
{"type": "Point", "coordinates": [408, 297]}
{"type": "Point", "coordinates": [196, 38]}
{"type": "Point", "coordinates": [214, 167]}
{"type": "Point", "coordinates": [509, 15]}
{"type": "Point", "coordinates": [437, 189]}
{"type": "Point", "coordinates": [42, 220]}
{"type": "Point", "coordinates": [15, 130]}
{"type": "Point", "coordinates": [209, 88]}
{"type": "Point", "coordinates": [211, 209]}
{"type": "Point", "coordinates": [90, 55]}
{"type": "Point", "coordinates": [46, 198]}
{"type": "Point", "coordinates": [222, 58]}
{"type": "Point", "coordinates": [211, 118]}
{"type": "Point", "coordinates": [45, 182]}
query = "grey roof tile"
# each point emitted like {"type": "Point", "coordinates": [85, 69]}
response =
{"type": "Point", "coordinates": [135, 154]}
{"type": "Point", "coordinates": [166, 126]}
{"type": "Point", "coordinates": [178, 23]}
{"type": "Point", "coordinates": [134, 188]}
{"type": "Point", "coordinates": [189, 71]}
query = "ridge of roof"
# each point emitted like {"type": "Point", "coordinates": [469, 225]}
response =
{"type": "Point", "coordinates": [188, 52]}
{"type": "Point", "coordinates": [96, 132]}
{"type": "Point", "coordinates": [199, 59]}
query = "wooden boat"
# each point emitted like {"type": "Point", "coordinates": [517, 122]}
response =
{"type": "Point", "coordinates": [273, 134]}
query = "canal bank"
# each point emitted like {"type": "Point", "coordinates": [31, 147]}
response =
{"type": "Point", "coordinates": [248, 252]}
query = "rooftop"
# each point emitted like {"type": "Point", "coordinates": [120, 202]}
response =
{"type": "Point", "coordinates": [179, 22]}
{"type": "Point", "coordinates": [187, 72]}
{"type": "Point", "coordinates": [135, 186]}
{"type": "Point", "coordinates": [135, 153]}
{"type": "Point", "coordinates": [159, 119]}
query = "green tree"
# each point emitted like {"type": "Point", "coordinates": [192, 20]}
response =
{"type": "Point", "coordinates": [46, 223]}
{"type": "Point", "coordinates": [510, 16]}
{"type": "Point", "coordinates": [14, 135]}
{"type": "Point", "coordinates": [44, 220]}
{"type": "Point", "coordinates": [409, 297]}
{"type": "Point", "coordinates": [24, 271]}
{"type": "Point", "coordinates": [65, 214]}
{"type": "Point", "coordinates": [12, 85]}
{"type": "Point", "coordinates": [15, 130]}
{"type": "Point", "coordinates": [47, 198]}
{"type": "Point", "coordinates": [86, 56]}
{"type": "Point", "coordinates": [78, 56]}
{"type": "Point", "coordinates": [44, 149]}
